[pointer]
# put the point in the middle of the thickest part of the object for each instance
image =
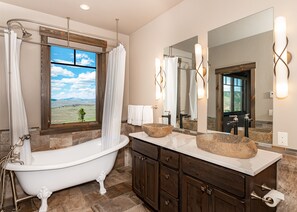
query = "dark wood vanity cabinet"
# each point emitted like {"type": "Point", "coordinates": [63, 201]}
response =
{"type": "Point", "coordinates": [171, 181]}
{"type": "Point", "coordinates": [145, 173]}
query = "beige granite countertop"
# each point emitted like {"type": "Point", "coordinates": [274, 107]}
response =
{"type": "Point", "coordinates": [186, 144]}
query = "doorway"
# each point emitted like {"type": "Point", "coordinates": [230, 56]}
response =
{"type": "Point", "coordinates": [235, 94]}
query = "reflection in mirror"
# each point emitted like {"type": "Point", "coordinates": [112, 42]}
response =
{"type": "Point", "coordinates": [186, 99]}
{"type": "Point", "coordinates": [241, 76]}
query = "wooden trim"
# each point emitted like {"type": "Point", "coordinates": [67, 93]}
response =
{"type": "Point", "coordinates": [253, 97]}
{"type": "Point", "coordinates": [219, 102]}
{"type": "Point", "coordinates": [236, 68]}
{"type": "Point", "coordinates": [101, 66]}
{"type": "Point", "coordinates": [45, 84]}
{"type": "Point", "coordinates": [63, 35]}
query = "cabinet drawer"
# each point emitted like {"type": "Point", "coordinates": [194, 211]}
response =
{"type": "Point", "coordinates": [169, 158]}
{"type": "Point", "coordinates": [147, 149]}
{"type": "Point", "coordinates": [226, 179]}
{"type": "Point", "coordinates": [168, 203]}
{"type": "Point", "coordinates": [169, 181]}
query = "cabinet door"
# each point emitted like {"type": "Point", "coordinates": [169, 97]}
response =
{"type": "Point", "coordinates": [222, 202]}
{"type": "Point", "coordinates": [151, 182]}
{"type": "Point", "coordinates": [137, 173]}
{"type": "Point", "coordinates": [194, 196]}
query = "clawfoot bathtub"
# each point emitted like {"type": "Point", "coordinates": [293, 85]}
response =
{"type": "Point", "coordinates": [54, 170]}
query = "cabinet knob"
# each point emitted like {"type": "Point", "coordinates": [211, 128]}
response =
{"type": "Point", "coordinates": [167, 176]}
{"type": "Point", "coordinates": [167, 159]}
{"type": "Point", "coordinates": [167, 202]}
{"type": "Point", "coordinates": [143, 158]}
{"type": "Point", "coordinates": [203, 188]}
{"type": "Point", "coordinates": [209, 191]}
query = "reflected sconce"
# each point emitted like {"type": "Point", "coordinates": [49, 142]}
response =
{"type": "Point", "coordinates": [281, 58]}
{"type": "Point", "coordinates": [159, 79]}
{"type": "Point", "coordinates": [200, 71]}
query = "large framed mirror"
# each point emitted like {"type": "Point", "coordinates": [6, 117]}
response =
{"type": "Point", "coordinates": [241, 76]}
{"type": "Point", "coordinates": [185, 106]}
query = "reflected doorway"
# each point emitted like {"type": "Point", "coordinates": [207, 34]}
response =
{"type": "Point", "coordinates": [235, 94]}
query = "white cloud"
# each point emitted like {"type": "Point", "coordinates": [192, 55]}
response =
{"type": "Point", "coordinates": [56, 71]}
{"type": "Point", "coordinates": [82, 86]}
{"type": "Point", "coordinates": [83, 59]}
{"type": "Point", "coordinates": [62, 61]}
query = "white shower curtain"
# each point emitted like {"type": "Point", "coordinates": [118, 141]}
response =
{"type": "Point", "coordinates": [193, 95]}
{"type": "Point", "coordinates": [170, 99]}
{"type": "Point", "coordinates": [113, 101]}
{"type": "Point", "coordinates": [16, 105]}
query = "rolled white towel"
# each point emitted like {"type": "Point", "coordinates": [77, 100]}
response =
{"type": "Point", "coordinates": [137, 115]}
{"type": "Point", "coordinates": [147, 114]}
{"type": "Point", "coordinates": [130, 113]}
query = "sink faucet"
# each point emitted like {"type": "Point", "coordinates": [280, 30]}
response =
{"type": "Point", "coordinates": [181, 115]}
{"type": "Point", "coordinates": [168, 116]}
{"type": "Point", "coordinates": [234, 122]}
{"type": "Point", "coordinates": [247, 121]}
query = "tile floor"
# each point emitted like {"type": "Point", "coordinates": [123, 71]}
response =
{"type": "Point", "coordinates": [86, 198]}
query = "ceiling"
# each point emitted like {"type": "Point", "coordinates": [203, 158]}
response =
{"type": "Point", "coordinates": [133, 14]}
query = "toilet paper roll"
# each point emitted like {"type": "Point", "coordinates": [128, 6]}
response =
{"type": "Point", "coordinates": [276, 196]}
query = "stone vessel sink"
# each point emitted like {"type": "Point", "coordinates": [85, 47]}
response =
{"type": "Point", "coordinates": [227, 145]}
{"type": "Point", "coordinates": [257, 134]}
{"type": "Point", "coordinates": [157, 130]}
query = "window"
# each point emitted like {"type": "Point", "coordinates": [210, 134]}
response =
{"type": "Point", "coordinates": [233, 89]}
{"type": "Point", "coordinates": [73, 83]}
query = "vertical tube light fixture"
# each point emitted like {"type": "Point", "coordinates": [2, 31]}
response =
{"type": "Point", "coordinates": [281, 69]}
{"type": "Point", "coordinates": [199, 71]}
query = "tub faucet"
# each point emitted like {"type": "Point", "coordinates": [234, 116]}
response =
{"type": "Point", "coordinates": [181, 115]}
{"type": "Point", "coordinates": [168, 116]}
{"type": "Point", "coordinates": [234, 123]}
{"type": "Point", "coordinates": [247, 121]}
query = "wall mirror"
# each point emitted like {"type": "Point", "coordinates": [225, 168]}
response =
{"type": "Point", "coordinates": [185, 88]}
{"type": "Point", "coordinates": [241, 75]}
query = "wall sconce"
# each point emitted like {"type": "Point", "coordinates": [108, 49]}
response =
{"type": "Point", "coordinates": [200, 71]}
{"type": "Point", "coordinates": [282, 57]}
{"type": "Point", "coordinates": [159, 79]}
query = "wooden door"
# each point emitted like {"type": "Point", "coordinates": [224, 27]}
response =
{"type": "Point", "coordinates": [194, 196]}
{"type": "Point", "coordinates": [222, 202]}
{"type": "Point", "coordinates": [137, 173]}
{"type": "Point", "coordinates": [151, 182]}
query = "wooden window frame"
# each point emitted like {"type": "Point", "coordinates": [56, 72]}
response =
{"type": "Point", "coordinates": [46, 126]}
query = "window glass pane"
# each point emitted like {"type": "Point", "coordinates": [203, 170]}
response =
{"type": "Point", "coordinates": [85, 58]}
{"type": "Point", "coordinates": [227, 98]}
{"type": "Point", "coordinates": [238, 98]}
{"type": "Point", "coordinates": [73, 94]}
{"type": "Point", "coordinates": [62, 55]}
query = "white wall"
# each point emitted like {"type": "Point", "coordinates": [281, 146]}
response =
{"type": "Point", "coordinates": [30, 60]}
{"type": "Point", "coordinates": [197, 17]}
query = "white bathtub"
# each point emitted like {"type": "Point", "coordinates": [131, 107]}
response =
{"type": "Point", "coordinates": [54, 170]}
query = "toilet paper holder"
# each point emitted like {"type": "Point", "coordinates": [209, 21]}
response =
{"type": "Point", "coordinates": [254, 195]}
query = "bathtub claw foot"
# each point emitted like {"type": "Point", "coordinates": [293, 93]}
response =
{"type": "Point", "coordinates": [100, 180]}
{"type": "Point", "coordinates": [43, 195]}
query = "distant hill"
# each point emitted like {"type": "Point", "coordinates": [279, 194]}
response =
{"type": "Point", "coordinates": [71, 102]}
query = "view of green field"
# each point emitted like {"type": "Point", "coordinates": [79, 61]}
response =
{"type": "Point", "coordinates": [69, 114]}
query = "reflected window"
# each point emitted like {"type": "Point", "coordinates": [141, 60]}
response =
{"type": "Point", "coordinates": [233, 92]}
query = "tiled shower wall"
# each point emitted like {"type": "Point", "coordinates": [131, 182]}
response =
{"type": "Point", "coordinates": [287, 167]}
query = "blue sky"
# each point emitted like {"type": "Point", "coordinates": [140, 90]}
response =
{"type": "Point", "coordinates": [69, 81]}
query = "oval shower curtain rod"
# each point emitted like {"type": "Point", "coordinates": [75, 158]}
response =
{"type": "Point", "coordinates": [19, 20]}
{"type": "Point", "coordinates": [9, 22]}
